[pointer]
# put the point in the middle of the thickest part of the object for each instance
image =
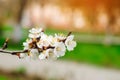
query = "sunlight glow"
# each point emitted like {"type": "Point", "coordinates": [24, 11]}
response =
{"type": "Point", "coordinates": [79, 20]}
{"type": "Point", "coordinates": [103, 19]}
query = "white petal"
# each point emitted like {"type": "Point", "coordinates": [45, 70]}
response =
{"type": "Point", "coordinates": [71, 46]}
{"type": "Point", "coordinates": [42, 56]}
{"type": "Point", "coordinates": [22, 55]}
{"type": "Point", "coordinates": [26, 48]}
{"type": "Point", "coordinates": [34, 53]}
{"type": "Point", "coordinates": [39, 30]}
{"type": "Point", "coordinates": [34, 35]}
{"type": "Point", "coordinates": [39, 45]}
{"type": "Point", "coordinates": [71, 37]}
{"type": "Point", "coordinates": [35, 30]}
{"type": "Point", "coordinates": [32, 30]}
{"type": "Point", "coordinates": [50, 54]}
{"type": "Point", "coordinates": [60, 36]}
{"type": "Point", "coordinates": [29, 40]}
{"type": "Point", "coordinates": [59, 49]}
{"type": "Point", "coordinates": [25, 44]}
{"type": "Point", "coordinates": [74, 44]}
{"type": "Point", "coordinates": [59, 53]}
{"type": "Point", "coordinates": [31, 36]}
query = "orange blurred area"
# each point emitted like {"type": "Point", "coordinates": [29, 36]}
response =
{"type": "Point", "coordinates": [78, 15]}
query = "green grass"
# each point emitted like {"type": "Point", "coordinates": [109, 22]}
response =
{"type": "Point", "coordinates": [95, 54]}
{"type": "Point", "coordinates": [2, 77]}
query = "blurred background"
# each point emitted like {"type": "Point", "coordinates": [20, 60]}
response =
{"type": "Point", "coordinates": [95, 24]}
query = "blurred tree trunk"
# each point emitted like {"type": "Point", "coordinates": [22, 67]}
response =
{"type": "Point", "coordinates": [42, 25]}
{"type": "Point", "coordinates": [22, 6]}
{"type": "Point", "coordinates": [110, 26]}
{"type": "Point", "coordinates": [17, 35]}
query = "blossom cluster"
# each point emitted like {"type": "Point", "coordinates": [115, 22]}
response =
{"type": "Point", "coordinates": [42, 46]}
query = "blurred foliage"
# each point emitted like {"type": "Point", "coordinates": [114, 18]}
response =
{"type": "Point", "coordinates": [3, 77]}
{"type": "Point", "coordinates": [21, 70]}
{"type": "Point", "coordinates": [18, 74]}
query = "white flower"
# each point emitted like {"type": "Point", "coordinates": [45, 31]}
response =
{"type": "Point", "coordinates": [35, 33]}
{"type": "Point", "coordinates": [59, 49]}
{"type": "Point", "coordinates": [70, 43]}
{"type": "Point", "coordinates": [60, 36]}
{"type": "Point", "coordinates": [34, 53]}
{"type": "Point", "coordinates": [44, 41]}
{"type": "Point", "coordinates": [23, 55]}
{"type": "Point", "coordinates": [26, 44]}
{"type": "Point", "coordinates": [50, 47]}
{"type": "Point", "coordinates": [50, 53]}
{"type": "Point", "coordinates": [47, 54]}
{"type": "Point", "coordinates": [35, 30]}
{"type": "Point", "coordinates": [52, 40]}
{"type": "Point", "coordinates": [42, 56]}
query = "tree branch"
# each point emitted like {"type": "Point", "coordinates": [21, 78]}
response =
{"type": "Point", "coordinates": [69, 34]}
{"type": "Point", "coordinates": [33, 45]}
{"type": "Point", "coordinates": [13, 52]}
{"type": "Point", "coordinates": [5, 45]}
{"type": "Point", "coordinates": [2, 50]}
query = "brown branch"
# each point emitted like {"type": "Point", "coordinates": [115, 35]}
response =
{"type": "Point", "coordinates": [13, 52]}
{"type": "Point", "coordinates": [69, 34]}
{"type": "Point", "coordinates": [17, 53]}
{"type": "Point", "coordinates": [5, 45]}
{"type": "Point", "coordinates": [2, 50]}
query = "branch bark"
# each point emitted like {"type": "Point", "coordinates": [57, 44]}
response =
{"type": "Point", "coordinates": [13, 52]}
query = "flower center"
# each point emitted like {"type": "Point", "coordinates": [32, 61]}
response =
{"type": "Point", "coordinates": [58, 48]}
{"type": "Point", "coordinates": [69, 42]}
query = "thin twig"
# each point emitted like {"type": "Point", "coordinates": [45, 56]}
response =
{"type": "Point", "coordinates": [69, 34]}
{"type": "Point", "coordinates": [13, 52]}
{"type": "Point", "coordinates": [10, 52]}
{"type": "Point", "coordinates": [5, 45]}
